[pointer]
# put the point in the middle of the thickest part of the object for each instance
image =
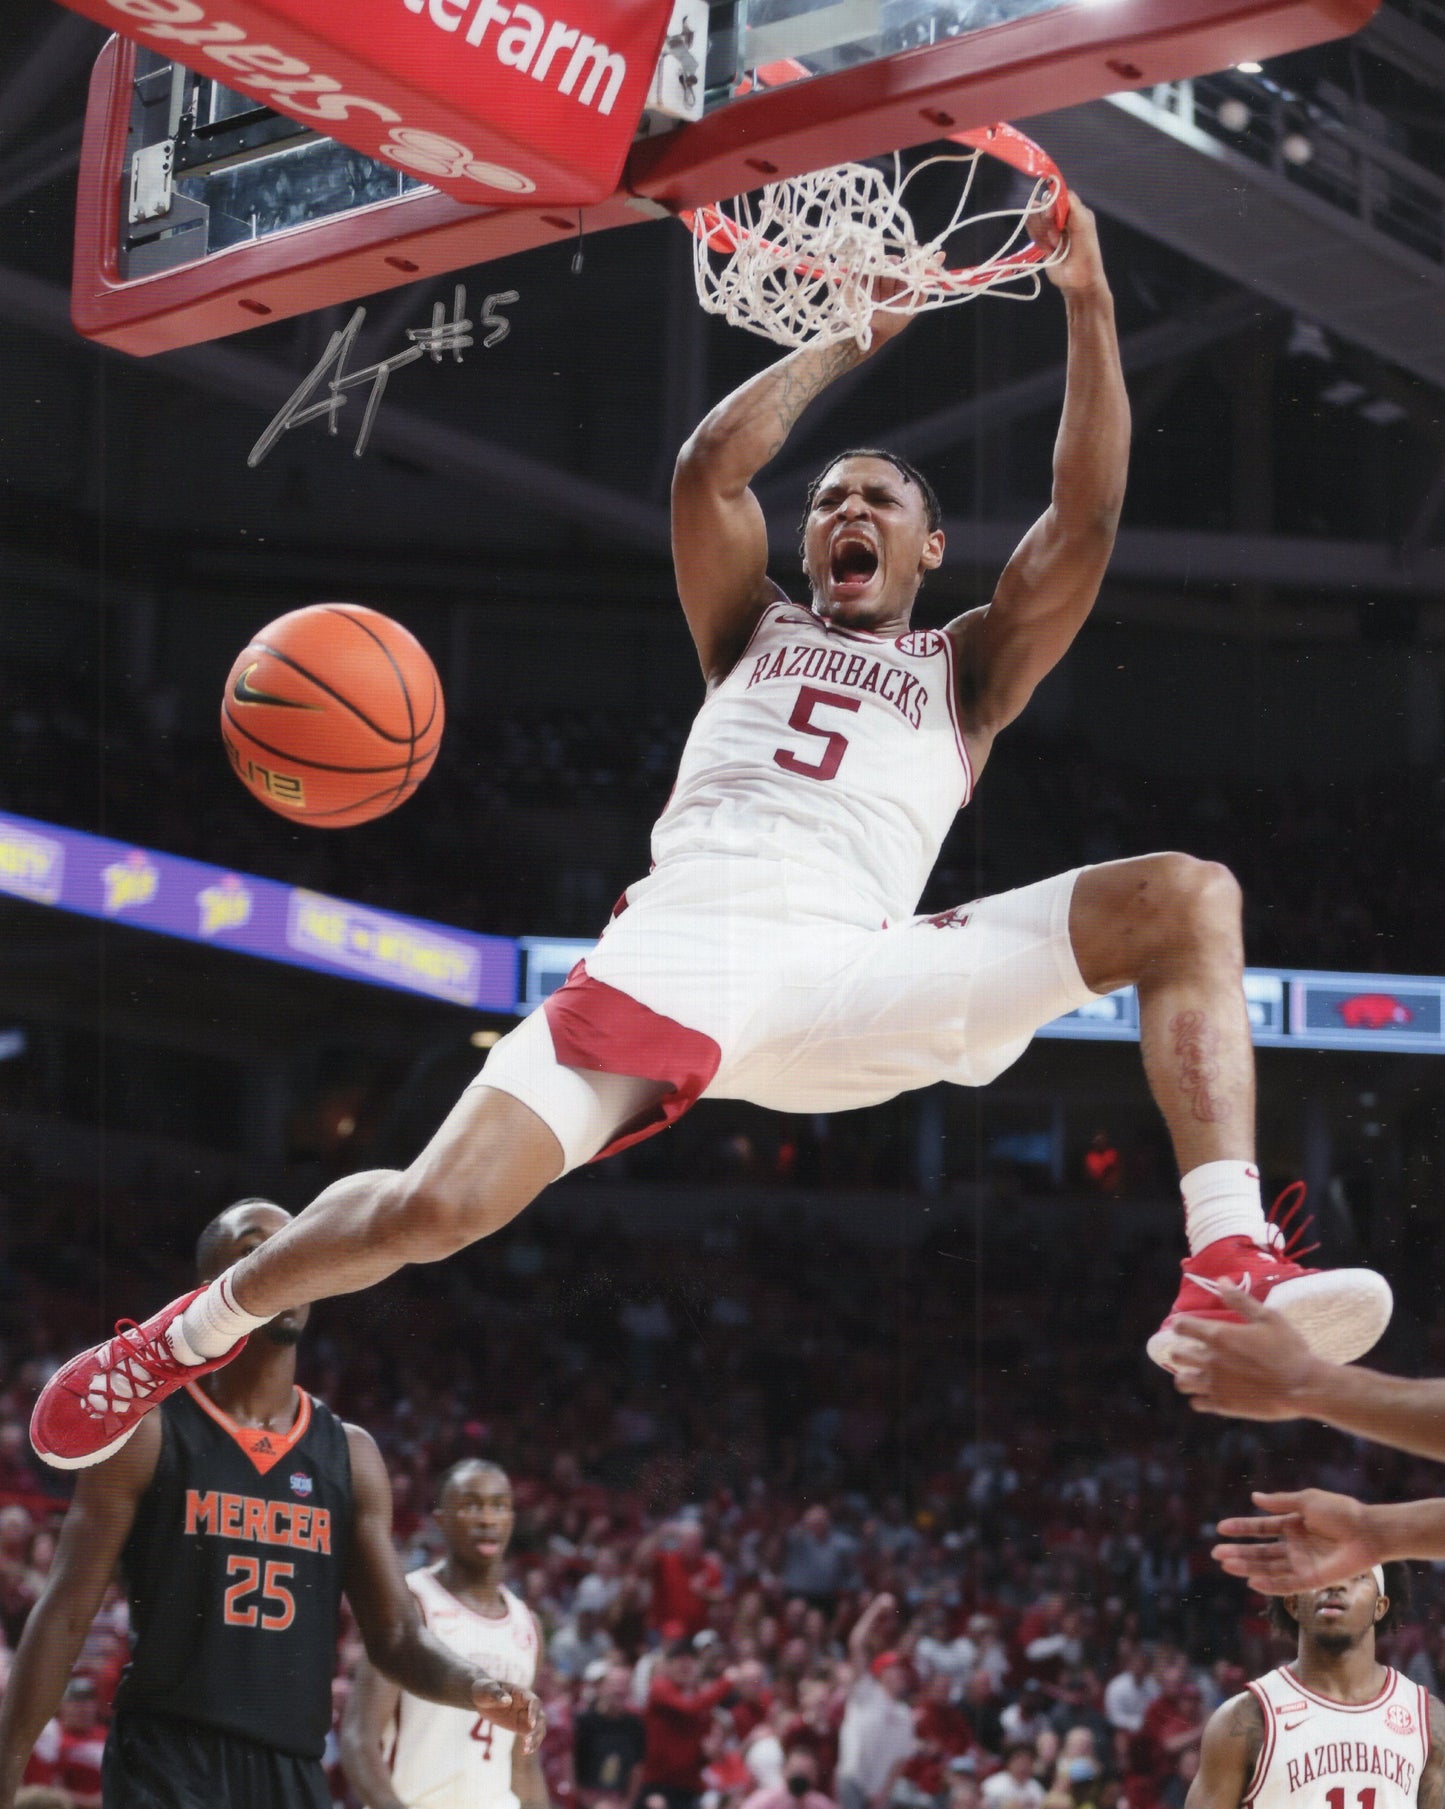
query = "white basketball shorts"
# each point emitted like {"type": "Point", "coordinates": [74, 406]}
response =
{"type": "Point", "coordinates": [712, 981]}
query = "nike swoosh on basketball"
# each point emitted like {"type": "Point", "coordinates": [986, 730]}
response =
{"type": "Point", "coordinates": [245, 692]}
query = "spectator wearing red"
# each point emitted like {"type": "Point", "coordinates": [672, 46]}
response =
{"type": "Point", "coordinates": [1103, 1166]}
{"type": "Point", "coordinates": [1173, 1723]}
{"type": "Point", "coordinates": [69, 1751]}
{"type": "Point", "coordinates": [677, 1720]}
{"type": "Point", "coordinates": [815, 1727]}
{"type": "Point", "coordinates": [942, 1732]}
{"type": "Point", "coordinates": [686, 1578]}
{"type": "Point", "coordinates": [82, 1743]}
{"type": "Point", "coordinates": [754, 1700]}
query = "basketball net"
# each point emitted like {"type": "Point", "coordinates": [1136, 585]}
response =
{"type": "Point", "coordinates": [809, 260]}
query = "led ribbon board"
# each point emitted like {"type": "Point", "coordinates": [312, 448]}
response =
{"type": "Point", "coordinates": [484, 100]}
{"type": "Point", "coordinates": [116, 881]}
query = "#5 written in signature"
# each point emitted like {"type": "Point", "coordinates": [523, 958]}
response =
{"type": "Point", "coordinates": [446, 334]}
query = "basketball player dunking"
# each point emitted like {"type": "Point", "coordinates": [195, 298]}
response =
{"type": "Point", "coordinates": [239, 1515]}
{"type": "Point", "coordinates": [400, 1752]}
{"type": "Point", "coordinates": [1334, 1730]}
{"type": "Point", "coordinates": [772, 954]}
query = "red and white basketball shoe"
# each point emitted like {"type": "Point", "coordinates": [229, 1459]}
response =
{"type": "Point", "coordinates": [1340, 1313]}
{"type": "Point", "coordinates": [93, 1403]}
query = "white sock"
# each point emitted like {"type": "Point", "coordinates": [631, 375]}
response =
{"type": "Point", "coordinates": [1221, 1199]}
{"type": "Point", "coordinates": [211, 1324]}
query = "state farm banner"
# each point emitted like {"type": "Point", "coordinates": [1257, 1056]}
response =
{"type": "Point", "coordinates": [489, 100]}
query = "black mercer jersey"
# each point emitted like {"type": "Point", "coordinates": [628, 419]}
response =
{"type": "Point", "coordinates": [234, 1570]}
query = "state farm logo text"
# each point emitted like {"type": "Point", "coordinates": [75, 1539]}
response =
{"type": "Point", "coordinates": [532, 46]}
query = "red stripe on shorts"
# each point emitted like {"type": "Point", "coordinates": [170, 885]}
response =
{"type": "Point", "coordinates": [597, 1027]}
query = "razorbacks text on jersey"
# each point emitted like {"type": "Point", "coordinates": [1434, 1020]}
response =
{"type": "Point", "coordinates": [234, 1570]}
{"type": "Point", "coordinates": [837, 750]}
{"type": "Point", "coordinates": [450, 1758]}
{"type": "Point", "coordinates": [1321, 1754]}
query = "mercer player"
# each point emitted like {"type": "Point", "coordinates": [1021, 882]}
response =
{"type": "Point", "coordinates": [239, 1514]}
{"type": "Point", "coordinates": [1334, 1730]}
{"type": "Point", "coordinates": [772, 954]}
{"type": "Point", "coordinates": [400, 1752]}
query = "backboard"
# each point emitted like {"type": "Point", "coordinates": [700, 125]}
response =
{"type": "Point", "coordinates": [203, 211]}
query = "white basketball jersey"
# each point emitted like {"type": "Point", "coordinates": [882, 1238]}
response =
{"type": "Point", "coordinates": [450, 1758]}
{"type": "Point", "coordinates": [1319, 1754]}
{"type": "Point", "coordinates": [837, 751]}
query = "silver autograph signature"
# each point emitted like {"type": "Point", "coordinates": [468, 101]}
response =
{"type": "Point", "coordinates": [444, 335]}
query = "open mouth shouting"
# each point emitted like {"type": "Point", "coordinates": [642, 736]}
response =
{"type": "Point", "coordinates": [853, 564]}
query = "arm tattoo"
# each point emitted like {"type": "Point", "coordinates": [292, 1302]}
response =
{"type": "Point", "coordinates": [1196, 1046]}
{"type": "Point", "coordinates": [1246, 1724]}
{"type": "Point", "coordinates": [1432, 1780]}
{"type": "Point", "coordinates": [801, 381]}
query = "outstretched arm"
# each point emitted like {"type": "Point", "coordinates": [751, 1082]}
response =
{"type": "Point", "coordinates": [397, 1643]}
{"type": "Point", "coordinates": [1310, 1538]}
{"type": "Point", "coordinates": [1049, 585]}
{"type": "Point", "coordinates": [95, 1531]}
{"type": "Point", "coordinates": [865, 1630]}
{"type": "Point", "coordinates": [719, 537]}
{"type": "Point", "coordinates": [1228, 1755]}
{"type": "Point", "coordinates": [1261, 1369]}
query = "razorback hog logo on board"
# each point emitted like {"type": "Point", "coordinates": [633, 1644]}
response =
{"type": "Point", "coordinates": [1374, 1011]}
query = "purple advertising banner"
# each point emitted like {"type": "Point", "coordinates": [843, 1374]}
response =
{"type": "Point", "coordinates": [101, 878]}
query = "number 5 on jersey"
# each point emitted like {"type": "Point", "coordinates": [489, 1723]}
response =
{"type": "Point", "coordinates": [810, 698]}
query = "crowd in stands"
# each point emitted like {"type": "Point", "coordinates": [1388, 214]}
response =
{"type": "Point", "coordinates": [805, 1520]}
{"type": "Point", "coordinates": [1336, 872]}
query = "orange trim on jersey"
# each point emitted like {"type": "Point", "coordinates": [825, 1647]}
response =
{"type": "Point", "coordinates": [1266, 1751]}
{"type": "Point", "coordinates": [1392, 1677]}
{"type": "Point", "coordinates": [265, 1449]}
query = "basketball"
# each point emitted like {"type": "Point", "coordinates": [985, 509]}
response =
{"type": "Point", "coordinates": [332, 715]}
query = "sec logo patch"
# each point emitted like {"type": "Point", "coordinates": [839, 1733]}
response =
{"type": "Point", "coordinates": [1399, 1720]}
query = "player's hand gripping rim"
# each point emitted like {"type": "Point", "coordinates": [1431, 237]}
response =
{"type": "Point", "coordinates": [1082, 265]}
{"type": "Point", "coordinates": [1255, 1368]}
{"type": "Point", "coordinates": [1304, 1539]}
{"type": "Point", "coordinates": [510, 1706]}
